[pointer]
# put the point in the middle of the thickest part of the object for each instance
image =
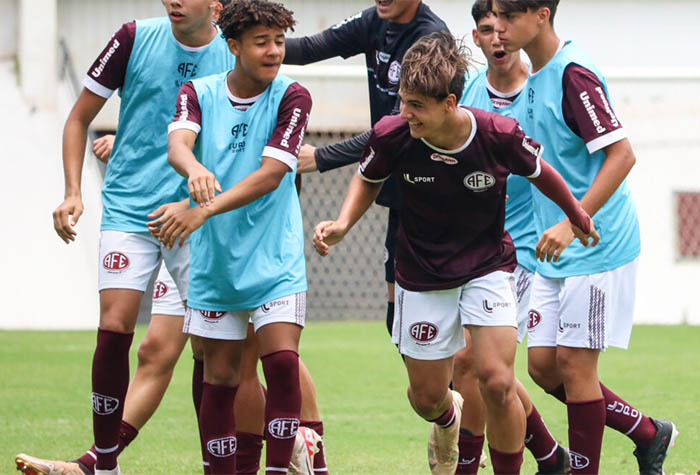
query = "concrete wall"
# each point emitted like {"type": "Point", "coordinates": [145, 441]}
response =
{"type": "Point", "coordinates": [654, 85]}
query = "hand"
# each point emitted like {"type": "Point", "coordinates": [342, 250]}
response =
{"type": "Point", "coordinates": [307, 160]}
{"type": "Point", "coordinates": [326, 234]}
{"type": "Point", "coordinates": [181, 225]}
{"type": "Point", "coordinates": [558, 237]}
{"type": "Point", "coordinates": [583, 237]}
{"type": "Point", "coordinates": [164, 213]}
{"type": "Point", "coordinates": [202, 184]}
{"type": "Point", "coordinates": [71, 206]}
{"type": "Point", "coordinates": [102, 147]}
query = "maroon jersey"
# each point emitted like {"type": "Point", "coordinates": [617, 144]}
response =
{"type": "Point", "coordinates": [451, 226]}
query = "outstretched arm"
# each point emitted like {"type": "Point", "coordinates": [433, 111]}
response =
{"type": "Point", "coordinates": [361, 195]}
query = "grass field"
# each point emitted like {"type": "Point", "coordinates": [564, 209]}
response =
{"type": "Point", "coordinates": [370, 429]}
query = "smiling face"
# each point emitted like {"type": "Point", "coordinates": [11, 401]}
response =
{"type": "Point", "coordinates": [397, 11]}
{"type": "Point", "coordinates": [425, 115]}
{"type": "Point", "coordinates": [486, 38]}
{"type": "Point", "coordinates": [189, 16]}
{"type": "Point", "coordinates": [259, 52]}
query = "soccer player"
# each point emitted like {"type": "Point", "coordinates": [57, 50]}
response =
{"type": "Point", "coordinates": [454, 261]}
{"type": "Point", "coordinates": [496, 88]}
{"type": "Point", "coordinates": [147, 60]}
{"type": "Point", "coordinates": [582, 300]}
{"type": "Point", "coordinates": [240, 132]}
{"type": "Point", "coordinates": [382, 33]}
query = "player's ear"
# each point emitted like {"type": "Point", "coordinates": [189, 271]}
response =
{"type": "Point", "coordinates": [543, 15]}
{"type": "Point", "coordinates": [234, 46]}
{"type": "Point", "coordinates": [475, 37]}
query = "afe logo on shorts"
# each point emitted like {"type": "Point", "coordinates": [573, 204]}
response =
{"type": "Point", "coordinates": [479, 181]}
{"type": "Point", "coordinates": [423, 332]}
{"type": "Point", "coordinates": [578, 461]}
{"type": "Point", "coordinates": [159, 289]}
{"type": "Point", "coordinates": [283, 427]}
{"type": "Point", "coordinates": [222, 447]}
{"type": "Point", "coordinates": [104, 405]}
{"type": "Point", "coordinates": [211, 315]}
{"type": "Point", "coordinates": [115, 261]}
{"type": "Point", "coordinates": [533, 319]}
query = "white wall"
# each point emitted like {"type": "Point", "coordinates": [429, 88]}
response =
{"type": "Point", "coordinates": [49, 285]}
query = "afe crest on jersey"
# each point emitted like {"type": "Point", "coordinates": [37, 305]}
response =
{"type": "Point", "coordinates": [479, 181]}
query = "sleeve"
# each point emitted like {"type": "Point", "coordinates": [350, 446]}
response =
{"type": "Point", "coordinates": [345, 39]}
{"type": "Point", "coordinates": [342, 153]}
{"type": "Point", "coordinates": [587, 110]}
{"type": "Point", "coordinates": [188, 113]}
{"type": "Point", "coordinates": [524, 154]}
{"type": "Point", "coordinates": [292, 118]}
{"type": "Point", "coordinates": [377, 160]}
{"type": "Point", "coordinates": [108, 72]}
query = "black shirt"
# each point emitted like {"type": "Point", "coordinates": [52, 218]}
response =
{"type": "Point", "coordinates": [384, 44]}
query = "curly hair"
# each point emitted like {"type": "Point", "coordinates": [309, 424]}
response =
{"type": "Point", "coordinates": [239, 15]}
{"type": "Point", "coordinates": [435, 66]}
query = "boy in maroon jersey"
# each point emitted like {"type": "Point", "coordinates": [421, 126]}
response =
{"type": "Point", "coordinates": [454, 261]}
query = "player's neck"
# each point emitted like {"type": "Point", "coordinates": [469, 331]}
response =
{"type": "Point", "coordinates": [407, 16]}
{"type": "Point", "coordinates": [199, 37]}
{"type": "Point", "coordinates": [507, 81]}
{"type": "Point", "coordinates": [542, 48]}
{"type": "Point", "coordinates": [454, 132]}
{"type": "Point", "coordinates": [241, 85]}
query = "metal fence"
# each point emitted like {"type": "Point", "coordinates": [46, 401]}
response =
{"type": "Point", "coordinates": [349, 282]}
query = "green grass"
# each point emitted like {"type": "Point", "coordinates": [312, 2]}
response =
{"type": "Point", "coordinates": [361, 382]}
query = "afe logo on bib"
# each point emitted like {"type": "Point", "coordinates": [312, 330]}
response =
{"type": "Point", "coordinates": [533, 319]}
{"type": "Point", "coordinates": [479, 181]}
{"type": "Point", "coordinates": [394, 72]}
{"type": "Point", "coordinates": [283, 427]}
{"type": "Point", "coordinates": [222, 447]}
{"type": "Point", "coordinates": [159, 289]}
{"type": "Point", "coordinates": [115, 261]}
{"type": "Point", "coordinates": [423, 332]}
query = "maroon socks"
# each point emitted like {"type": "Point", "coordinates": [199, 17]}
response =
{"type": "Point", "coordinates": [197, 382]}
{"type": "Point", "coordinates": [470, 447]}
{"type": "Point", "coordinates": [320, 457]}
{"type": "Point", "coordinates": [447, 418]}
{"type": "Point", "coordinates": [539, 440]}
{"type": "Point", "coordinates": [217, 425]}
{"type": "Point", "coordinates": [282, 408]}
{"type": "Point", "coordinates": [586, 424]}
{"type": "Point", "coordinates": [127, 433]}
{"type": "Point", "coordinates": [110, 380]}
{"type": "Point", "coordinates": [624, 418]}
{"type": "Point", "coordinates": [504, 463]}
{"type": "Point", "coordinates": [248, 453]}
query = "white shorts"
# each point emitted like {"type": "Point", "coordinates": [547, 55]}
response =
{"type": "Point", "coordinates": [429, 325]}
{"type": "Point", "coordinates": [166, 298]}
{"type": "Point", "coordinates": [130, 260]}
{"type": "Point", "coordinates": [523, 286]}
{"type": "Point", "coordinates": [233, 325]}
{"type": "Point", "coordinates": [584, 311]}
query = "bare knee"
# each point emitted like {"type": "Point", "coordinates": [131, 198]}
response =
{"type": "Point", "coordinates": [428, 402]}
{"type": "Point", "coordinates": [157, 354]}
{"type": "Point", "coordinates": [544, 371]}
{"type": "Point", "coordinates": [497, 386]}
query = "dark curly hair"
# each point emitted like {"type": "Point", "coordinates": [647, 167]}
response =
{"type": "Point", "coordinates": [523, 6]}
{"type": "Point", "coordinates": [239, 15]}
